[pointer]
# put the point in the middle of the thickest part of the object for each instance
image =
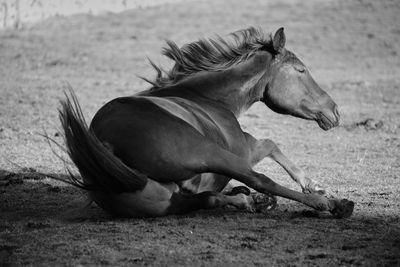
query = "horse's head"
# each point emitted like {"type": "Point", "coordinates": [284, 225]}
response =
{"type": "Point", "coordinates": [292, 90]}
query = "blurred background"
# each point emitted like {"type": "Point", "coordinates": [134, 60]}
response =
{"type": "Point", "coordinates": [17, 13]}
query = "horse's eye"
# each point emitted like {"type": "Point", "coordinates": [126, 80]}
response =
{"type": "Point", "coordinates": [300, 69]}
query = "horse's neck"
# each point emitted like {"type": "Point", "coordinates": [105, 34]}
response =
{"type": "Point", "coordinates": [240, 86]}
{"type": "Point", "coordinates": [236, 88]}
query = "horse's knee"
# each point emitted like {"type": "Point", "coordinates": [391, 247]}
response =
{"type": "Point", "coordinates": [270, 145]}
{"type": "Point", "coordinates": [263, 148]}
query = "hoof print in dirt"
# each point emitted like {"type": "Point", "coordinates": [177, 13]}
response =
{"type": "Point", "coordinates": [264, 203]}
{"type": "Point", "coordinates": [344, 208]}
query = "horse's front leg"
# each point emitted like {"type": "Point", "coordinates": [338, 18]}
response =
{"type": "Point", "coordinates": [263, 148]}
{"type": "Point", "coordinates": [212, 158]}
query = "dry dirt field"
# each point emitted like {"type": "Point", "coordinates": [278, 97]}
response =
{"type": "Point", "coordinates": [353, 51]}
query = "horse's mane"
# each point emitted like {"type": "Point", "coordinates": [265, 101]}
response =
{"type": "Point", "coordinates": [210, 54]}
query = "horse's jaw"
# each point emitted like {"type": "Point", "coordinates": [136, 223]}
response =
{"type": "Point", "coordinates": [325, 118]}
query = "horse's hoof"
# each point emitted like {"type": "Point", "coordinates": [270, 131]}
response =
{"type": "Point", "coordinates": [244, 202]}
{"type": "Point", "coordinates": [343, 208]}
{"type": "Point", "coordinates": [239, 190]}
{"type": "Point", "coordinates": [264, 202]}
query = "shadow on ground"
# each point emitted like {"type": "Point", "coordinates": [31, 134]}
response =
{"type": "Point", "coordinates": [36, 213]}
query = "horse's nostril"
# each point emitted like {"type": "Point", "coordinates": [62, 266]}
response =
{"type": "Point", "coordinates": [336, 112]}
{"type": "Point", "coordinates": [337, 115]}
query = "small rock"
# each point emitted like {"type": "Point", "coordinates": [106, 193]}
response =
{"type": "Point", "coordinates": [55, 63]}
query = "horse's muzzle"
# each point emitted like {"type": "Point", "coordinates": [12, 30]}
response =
{"type": "Point", "coordinates": [329, 119]}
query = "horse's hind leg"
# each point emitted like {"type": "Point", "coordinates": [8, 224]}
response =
{"type": "Point", "coordinates": [218, 160]}
{"type": "Point", "coordinates": [267, 148]}
{"type": "Point", "coordinates": [262, 202]}
{"type": "Point", "coordinates": [183, 203]}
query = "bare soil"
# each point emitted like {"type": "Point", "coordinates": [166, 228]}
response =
{"type": "Point", "coordinates": [352, 49]}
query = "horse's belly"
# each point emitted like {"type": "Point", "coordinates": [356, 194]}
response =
{"type": "Point", "coordinates": [205, 182]}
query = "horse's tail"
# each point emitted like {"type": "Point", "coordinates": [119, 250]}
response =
{"type": "Point", "coordinates": [100, 169]}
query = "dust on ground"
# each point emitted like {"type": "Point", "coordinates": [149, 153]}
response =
{"type": "Point", "coordinates": [352, 49]}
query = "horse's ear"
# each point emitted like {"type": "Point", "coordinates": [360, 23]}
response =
{"type": "Point", "coordinates": [279, 40]}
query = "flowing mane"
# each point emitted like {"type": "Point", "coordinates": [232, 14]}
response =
{"type": "Point", "coordinates": [210, 54]}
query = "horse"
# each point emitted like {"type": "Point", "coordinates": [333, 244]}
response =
{"type": "Point", "coordinates": [174, 147]}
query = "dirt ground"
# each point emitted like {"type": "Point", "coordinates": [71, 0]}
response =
{"type": "Point", "coordinates": [353, 51]}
